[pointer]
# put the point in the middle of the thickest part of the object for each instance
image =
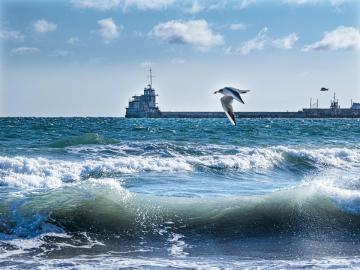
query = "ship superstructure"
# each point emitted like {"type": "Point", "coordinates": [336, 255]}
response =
{"type": "Point", "coordinates": [144, 106]}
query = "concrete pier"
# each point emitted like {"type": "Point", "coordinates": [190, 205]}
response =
{"type": "Point", "coordinates": [305, 113]}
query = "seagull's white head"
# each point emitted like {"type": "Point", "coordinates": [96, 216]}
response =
{"type": "Point", "coordinates": [219, 91]}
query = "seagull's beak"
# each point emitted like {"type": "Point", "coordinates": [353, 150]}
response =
{"type": "Point", "coordinates": [216, 92]}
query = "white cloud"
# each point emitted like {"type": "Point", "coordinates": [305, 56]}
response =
{"type": "Point", "coordinates": [334, 3]}
{"type": "Point", "coordinates": [24, 50]}
{"type": "Point", "coordinates": [73, 41]}
{"type": "Point", "coordinates": [194, 32]}
{"type": "Point", "coordinates": [177, 61]}
{"type": "Point", "coordinates": [218, 5]}
{"type": "Point", "coordinates": [108, 30]}
{"type": "Point", "coordinates": [245, 3]}
{"type": "Point", "coordinates": [60, 53]}
{"type": "Point", "coordinates": [43, 26]}
{"type": "Point", "coordinates": [256, 43]}
{"type": "Point", "coordinates": [337, 2]}
{"type": "Point", "coordinates": [147, 4]}
{"type": "Point", "coordinates": [195, 8]}
{"type": "Point", "coordinates": [301, 2]}
{"type": "Point", "coordinates": [237, 26]}
{"type": "Point", "coordinates": [11, 35]}
{"type": "Point", "coordinates": [104, 5]}
{"type": "Point", "coordinates": [96, 4]}
{"type": "Point", "coordinates": [286, 42]}
{"type": "Point", "coordinates": [341, 38]}
{"type": "Point", "coordinates": [261, 40]}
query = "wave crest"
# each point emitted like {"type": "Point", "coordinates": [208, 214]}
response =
{"type": "Point", "coordinates": [103, 205]}
{"type": "Point", "coordinates": [44, 172]}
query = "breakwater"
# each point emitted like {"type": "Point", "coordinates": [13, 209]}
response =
{"type": "Point", "coordinates": [222, 115]}
{"type": "Point", "coordinates": [305, 113]}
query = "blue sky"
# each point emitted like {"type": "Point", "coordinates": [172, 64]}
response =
{"type": "Point", "coordinates": [88, 57]}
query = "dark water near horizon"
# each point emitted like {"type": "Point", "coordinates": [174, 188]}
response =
{"type": "Point", "coordinates": [110, 193]}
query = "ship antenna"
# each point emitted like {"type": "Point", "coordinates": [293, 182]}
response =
{"type": "Point", "coordinates": [151, 77]}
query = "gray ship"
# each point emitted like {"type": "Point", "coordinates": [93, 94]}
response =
{"type": "Point", "coordinates": [145, 106]}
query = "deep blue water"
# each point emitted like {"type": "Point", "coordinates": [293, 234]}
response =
{"type": "Point", "coordinates": [110, 193]}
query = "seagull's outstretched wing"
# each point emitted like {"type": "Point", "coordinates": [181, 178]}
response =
{"type": "Point", "coordinates": [243, 91]}
{"type": "Point", "coordinates": [239, 90]}
{"type": "Point", "coordinates": [235, 93]}
{"type": "Point", "coordinates": [226, 102]}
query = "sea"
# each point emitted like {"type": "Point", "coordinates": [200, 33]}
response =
{"type": "Point", "coordinates": [116, 193]}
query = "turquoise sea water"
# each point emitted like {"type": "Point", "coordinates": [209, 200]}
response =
{"type": "Point", "coordinates": [110, 193]}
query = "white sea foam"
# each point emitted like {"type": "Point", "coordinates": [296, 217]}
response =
{"type": "Point", "coordinates": [37, 172]}
{"type": "Point", "coordinates": [178, 245]}
{"type": "Point", "coordinates": [244, 159]}
{"type": "Point", "coordinates": [40, 172]}
{"type": "Point", "coordinates": [27, 245]}
{"type": "Point", "coordinates": [19, 246]}
{"type": "Point", "coordinates": [107, 262]}
{"type": "Point", "coordinates": [342, 187]}
{"type": "Point", "coordinates": [336, 157]}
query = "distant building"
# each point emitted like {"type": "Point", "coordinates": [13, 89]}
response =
{"type": "Point", "coordinates": [355, 106]}
{"type": "Point", "coordinates": [144, 106]}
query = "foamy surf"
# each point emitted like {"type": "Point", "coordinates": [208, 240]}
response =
{"type": "Point", "coordinates": [40, 172]}
{"type": "Point", "coordinates": [109, 262]}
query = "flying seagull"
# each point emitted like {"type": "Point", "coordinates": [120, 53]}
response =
{"type": "Point", "coordinates": [324, 89]}
{"type": "Point", "coordinates": [230, 93]}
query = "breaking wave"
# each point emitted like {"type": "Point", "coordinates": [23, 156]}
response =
{"type": "Point", "coordinates": [105, 206]}
{"type": "Point", "coordinates": [39, 172]}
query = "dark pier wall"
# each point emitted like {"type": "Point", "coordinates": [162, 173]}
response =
{"type": "Point", "coordinates": [222, 115]}
{"type": "Point", "coordinates": [305, 113]}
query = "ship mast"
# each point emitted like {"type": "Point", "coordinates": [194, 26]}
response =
{"type": "Point", "coordinates": [151, 77]}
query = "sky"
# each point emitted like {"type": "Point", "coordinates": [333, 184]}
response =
{"type": "Point", "coordinates": [88, 57]}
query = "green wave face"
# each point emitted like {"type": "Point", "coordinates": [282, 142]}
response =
{"type": "Point", "coordinates": [107, 207]}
